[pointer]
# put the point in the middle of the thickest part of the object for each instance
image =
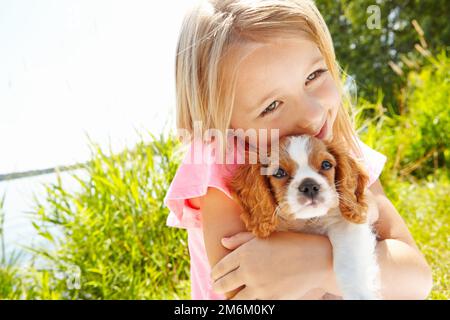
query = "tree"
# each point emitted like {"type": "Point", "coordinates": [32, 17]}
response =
{"type": "Point", "coordinates": [365, 53]}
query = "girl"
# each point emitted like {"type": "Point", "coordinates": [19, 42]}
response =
{"type": "Point", "coordinates": [269, 65]}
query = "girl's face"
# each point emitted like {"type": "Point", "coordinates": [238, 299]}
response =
{"type": "Point", "coordinates": [284, 84]}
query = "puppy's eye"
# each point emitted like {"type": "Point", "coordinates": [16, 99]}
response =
{"type": "Point", "coordinates": [279, 173]}
{"type": "Point", "coordinates": [326, 165]}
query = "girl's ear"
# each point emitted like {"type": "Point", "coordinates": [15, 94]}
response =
{"type": "Point", "coordinates": [252, 190]}
{"type": "Point", "coordinates": [350, 180]}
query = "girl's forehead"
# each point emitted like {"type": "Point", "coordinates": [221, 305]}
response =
{"type": "Point", "coordinates": [260, 68]}
{"type": "Point", "coordinates": [252, 55]}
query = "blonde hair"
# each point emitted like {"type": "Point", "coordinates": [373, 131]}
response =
{"type": "Point", "coordinates": [211, 28]}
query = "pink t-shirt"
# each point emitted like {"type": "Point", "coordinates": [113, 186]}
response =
{"type": "Point", "coordinates": [195, 174]}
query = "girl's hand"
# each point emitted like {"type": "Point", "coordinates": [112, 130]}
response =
{"type": "Point", "coordinates": [287, 265]}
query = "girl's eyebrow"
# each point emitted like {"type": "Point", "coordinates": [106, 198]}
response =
{"type": "Point", "coordinates": [271, 93]}
{"type": "Point", "coordinates": [316, 60]}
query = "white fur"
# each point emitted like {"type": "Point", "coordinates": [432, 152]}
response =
{"type": "Point", "coordinates": [299, 149]}
{"type": "Point", "coordinates": [354, 257]}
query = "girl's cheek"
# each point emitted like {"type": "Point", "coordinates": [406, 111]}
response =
{"type": "Point", "coordinates": [330, 92]}
{"type": "Point", "coordinates": [328, 95]}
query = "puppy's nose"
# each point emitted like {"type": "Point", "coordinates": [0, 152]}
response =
{"type": "Point", "coordinates": [309, 187]}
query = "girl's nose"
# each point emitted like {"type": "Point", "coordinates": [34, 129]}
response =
{"type": "Point", "coordinates": [310, 115]}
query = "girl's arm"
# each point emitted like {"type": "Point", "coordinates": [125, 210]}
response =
{"type": "Point", "coordinates": [405, 273]}
{"type": "Point", "coordinates": [220, 218]}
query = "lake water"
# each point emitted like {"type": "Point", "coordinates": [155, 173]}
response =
{"type": "Point", "coordinates": [19, 206]}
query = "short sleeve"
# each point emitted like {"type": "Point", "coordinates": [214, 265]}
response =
{"type": "Point", "coordinates": [374, 161]}
{"type": "Point", "coordinates": [195, 174]}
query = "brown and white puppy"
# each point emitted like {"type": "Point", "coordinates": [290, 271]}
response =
{"type": "Point", "coordinates": [315, 187]}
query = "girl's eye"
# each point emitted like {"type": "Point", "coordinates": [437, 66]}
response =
{"type": "Point", "coordinates": [326, 165]}
{"type": "Point", "coordinates": [274, 105]}
{"type": "Point", "coordinates": [313, 76]}
{"type": "Point", "coordinates": [280, 173]}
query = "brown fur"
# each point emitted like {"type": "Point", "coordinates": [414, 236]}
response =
{"type": "Point", "coordinates": [254, 194]}
{"type": "Point", "coordinates": [350, 180]}
{"type": "Point", "coordinates": [252, 190]}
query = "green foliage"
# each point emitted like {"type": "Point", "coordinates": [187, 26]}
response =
{"type": "Point", "coordinates": [416, 176]}
{"type": "Point", "coordinates": [109, 237]}
{"type": "Point", "coordinates": [366, 53]}
{"type": "Point", "coordinates": [416, 142]}
{"type": "Point", "coordinates": [428, 102]}
{"type": "Point", "coordinates": [424, 206]}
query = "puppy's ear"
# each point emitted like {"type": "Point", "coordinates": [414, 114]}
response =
{"type": "Point", "coordinates": [351, 181]}
{"type": "Point", "coordinates": [252, 190]}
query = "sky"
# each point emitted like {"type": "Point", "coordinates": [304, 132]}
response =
{"type": "Point", "coordinates": [69, 69]}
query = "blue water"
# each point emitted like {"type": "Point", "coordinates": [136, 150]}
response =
{"type": "Point", "coordinates": [19, 207]}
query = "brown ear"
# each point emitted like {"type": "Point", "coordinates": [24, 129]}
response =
{"type": "Point", "coordinates": [350, 180]}
{"type": "Point", "coordinates": [252, 190]}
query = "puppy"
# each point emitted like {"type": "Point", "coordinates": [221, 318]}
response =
{"type": "Point", "coordinates": [314, 187]}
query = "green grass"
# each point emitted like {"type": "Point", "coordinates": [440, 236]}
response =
{"type": "Point", "coordinates": [425, 207]}
{"type": "Point", "coordinates": [109, 235]}
{"type": "Point", "coordinates": [417, 174]}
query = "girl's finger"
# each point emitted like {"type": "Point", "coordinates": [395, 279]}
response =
{"type": "Point", "coordinates": [228, 263]}
{"type": "Point", "coordinates": [237, 240]}
{"type": "Point", "coordinates": [244, 294]}
{"type": "Point", "coordinates": [229, 282]}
